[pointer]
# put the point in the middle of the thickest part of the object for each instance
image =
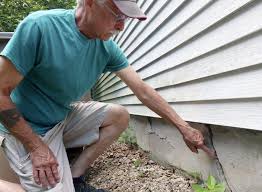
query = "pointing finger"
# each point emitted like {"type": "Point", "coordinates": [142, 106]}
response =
{"type": "Point", "coordinates": [192, 147]}
{"type": "Point", "coordinates": [211, 153]}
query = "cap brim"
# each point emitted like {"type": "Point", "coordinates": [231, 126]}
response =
{"type": "Point", "coordinates": [130, 9]}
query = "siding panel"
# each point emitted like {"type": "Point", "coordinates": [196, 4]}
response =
{"type": "Point", "coordinates": [238, 113]}
{"type": "Point", "coordinates": [228, 58]}
{"type": "Point", "coordinates": [243, 84]}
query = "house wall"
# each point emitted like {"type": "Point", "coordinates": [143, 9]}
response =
{"type": "Point", "coordinates": [204, 57]}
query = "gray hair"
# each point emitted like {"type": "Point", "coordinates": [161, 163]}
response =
{"type": "Point", "coordinates": [81, 2]}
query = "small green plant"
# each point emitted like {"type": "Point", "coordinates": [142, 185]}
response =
{"type": "Point", "coordinates": [128, 137]}
{"type": "Point", "coordinates": [141, 174]}
{"type": "Point", "coordinates": [210, 186]}
{"type": "Point", "coordinates": [137, 162]}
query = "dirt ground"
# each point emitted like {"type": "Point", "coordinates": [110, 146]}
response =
{"type": "Point", "coordinates": [128, 169]}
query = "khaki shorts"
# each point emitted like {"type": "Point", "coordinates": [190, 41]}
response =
{"type": "Point", "coordinates": [80, 128]}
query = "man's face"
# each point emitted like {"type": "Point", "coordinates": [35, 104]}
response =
{"type": "Point", "coordinates": [107, 19]}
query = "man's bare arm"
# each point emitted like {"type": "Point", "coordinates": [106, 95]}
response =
{"type": "Point", "coordinates": [148, 96]}
{"type": "Point", "coordinates": [9, 115]}
{"type": "Point", "coordinates": [45, 170]}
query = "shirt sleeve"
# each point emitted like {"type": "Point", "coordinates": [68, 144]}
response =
{"type": "Point", "coordinates": [117, 59]}
{"type": "Point", "coordinates": [23, 47]}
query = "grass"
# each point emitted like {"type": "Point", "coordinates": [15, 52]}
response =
{"type": "Point", "coordinates": [128, 137]}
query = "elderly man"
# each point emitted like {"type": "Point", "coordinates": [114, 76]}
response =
{"type": "Point", "coordinates": [53, 58]}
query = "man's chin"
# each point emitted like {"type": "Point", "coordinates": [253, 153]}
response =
{"type": "Point", "coordinates": [106, 37]}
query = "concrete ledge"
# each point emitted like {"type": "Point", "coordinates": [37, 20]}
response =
{"type": "Point", "coordinates": [239, 152]}
{"type": "Point", "coordinates": [142, 129]}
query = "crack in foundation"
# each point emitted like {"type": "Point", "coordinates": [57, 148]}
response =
{"type": "Point", "coordinates": [218, 164]}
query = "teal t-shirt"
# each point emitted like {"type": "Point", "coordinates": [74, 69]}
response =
{"type": "Point", "coordinates": [59, 65]}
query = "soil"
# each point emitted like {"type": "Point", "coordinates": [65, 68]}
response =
{"type": "Point", "coordinates": [129, 169]}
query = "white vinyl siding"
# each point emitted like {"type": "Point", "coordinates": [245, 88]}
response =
{"type": "Point", "coordinates": [203, 56]}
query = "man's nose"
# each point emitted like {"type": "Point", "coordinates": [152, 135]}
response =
{"type": "Point", "coordinates": [120, 25]}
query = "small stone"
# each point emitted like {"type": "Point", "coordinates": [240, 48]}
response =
{"type": "Point", "coordinates": [151, 162]}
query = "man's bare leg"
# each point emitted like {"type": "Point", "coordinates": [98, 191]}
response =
{"type": "Point", "coordinates": [6, 186]}
{"type": "Point", "coordinates": [114, 124]}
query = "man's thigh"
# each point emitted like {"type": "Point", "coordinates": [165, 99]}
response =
{"type": "Point", "coordinates": [6, 172]}
{"type": "Point", "coordinates": [20, 161]}
{"type": "Point", "coordinates": [83, 123]}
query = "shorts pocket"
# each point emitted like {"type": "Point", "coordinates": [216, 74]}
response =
{"type": "Point", "coordinates": [25, 158]}
{"type": "Point", "coordinates": [15, 151]}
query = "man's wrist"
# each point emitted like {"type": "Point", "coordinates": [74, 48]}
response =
{"type": "Point", "coordinates": [32, 144]}
{"type": "Point", "coordinates": [183, 127]}
{"type": "Point", "coordinates": [27, 137]}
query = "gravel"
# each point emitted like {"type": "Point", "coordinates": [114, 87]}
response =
{"type": "Point", "coordinates": [128, 169]}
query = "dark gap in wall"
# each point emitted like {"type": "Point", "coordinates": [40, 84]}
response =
{"type": "Point", "coordinates": [218, 164]}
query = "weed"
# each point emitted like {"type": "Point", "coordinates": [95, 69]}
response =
{"type": "Point", "coordinates": [128, 137]}
{"type": "Point", "coordinates": [141, 174]}
{"type": "Point", "coordinates": [210, 186]}
{"type": "Point", "coordinates": [137, 162]}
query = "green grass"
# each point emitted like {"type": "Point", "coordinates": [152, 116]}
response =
{"type": "Point", "coordinates": [128, 137]}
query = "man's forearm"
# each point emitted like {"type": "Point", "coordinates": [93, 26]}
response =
{"type": "Point", "coordinates": [12, 119]}
{"type": "Point", "coordinates": [157, 104]}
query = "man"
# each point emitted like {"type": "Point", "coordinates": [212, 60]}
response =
{"type": "Point", "coordinates": [53, 58]}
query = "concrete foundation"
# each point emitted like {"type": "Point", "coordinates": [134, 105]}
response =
{"type": "Point", "coordinates": [239, 152]}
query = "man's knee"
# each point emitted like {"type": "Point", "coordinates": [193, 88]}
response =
{"type": "Point", "coordinates": [8, 186]}
{"type": "Point", "coordinates": [118, 115]}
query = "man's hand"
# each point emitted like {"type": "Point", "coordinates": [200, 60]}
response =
{"type": "Point", "coordinates": [45, 166]}
{"type": "Point", "coordinates": [195, 140]}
